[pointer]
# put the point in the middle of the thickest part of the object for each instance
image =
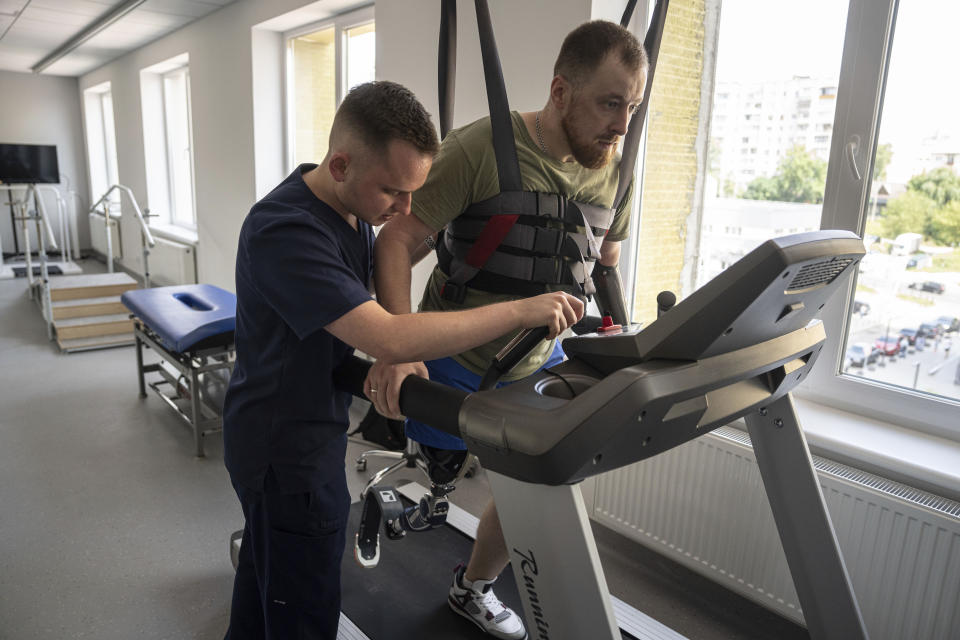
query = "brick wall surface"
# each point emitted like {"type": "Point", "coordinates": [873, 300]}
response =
{"type": "Point", "coordinates": [671, 162]}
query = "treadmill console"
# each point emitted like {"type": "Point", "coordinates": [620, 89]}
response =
{"type": "Point", "coordinates": [777, 288]}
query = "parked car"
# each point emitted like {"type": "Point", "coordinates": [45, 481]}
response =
{"type": "Point", "coordinates": [888, 345]}
{"type": "Point", "coordinates": [861, 307]}
{"type": "Point", "coordinates": [909, 334]}
{"type": "Point", "coordinates": [929, 285]}
{"type": "Point", "coordinates": [949, 323]}
{"type": "Point", "coordinates": [861, 354]}
{"type": "Point", "coordinates": [919, 260]}
{"type": "Point", "coordinates": [928, 330]}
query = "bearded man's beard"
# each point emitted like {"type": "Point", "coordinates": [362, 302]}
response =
{"type": "Point", "coordinates": [586, 152]}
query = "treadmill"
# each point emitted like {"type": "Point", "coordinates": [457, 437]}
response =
{"type": "Point", "coordinates": [735, 348]}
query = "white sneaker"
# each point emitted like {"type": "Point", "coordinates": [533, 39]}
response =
{"type": "Point", "coordinates": [476, 601]}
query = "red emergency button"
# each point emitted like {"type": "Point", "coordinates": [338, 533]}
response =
{"type": "Point", "coordinates": [608, 326]}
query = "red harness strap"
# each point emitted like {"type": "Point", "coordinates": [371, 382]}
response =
{"type": "Point", "coordinates": [493, 233]}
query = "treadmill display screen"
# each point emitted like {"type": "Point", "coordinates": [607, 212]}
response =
{"type": "Point", "coordinates": [28, 164]}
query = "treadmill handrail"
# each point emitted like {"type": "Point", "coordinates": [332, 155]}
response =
{"type": "Point", "coordinates": [630, 415]}
{"type": "Point", "coordinates": [530, 436]}
{"type": "Point", "coordinates": [424, 400]}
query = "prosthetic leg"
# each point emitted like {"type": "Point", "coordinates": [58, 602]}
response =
{"type": "Point", "coordinates": [382, 503]}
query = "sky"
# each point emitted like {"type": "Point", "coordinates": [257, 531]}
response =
{"type": "Point", "coordinates": [776, 39]}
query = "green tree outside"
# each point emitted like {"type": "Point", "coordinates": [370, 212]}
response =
{"type": "Point", "coordinates": [800, 177]}
{"type": "Point", "coordinates": [946, 224]}
{"type": "Point", "coordinates": [942, 185]}
{"type": "Point", "coordinates": [911, 212]}
{"type": "Point", "coordinates": [763, 188]}
{"type": "Point", "coordinates": [881, 160]}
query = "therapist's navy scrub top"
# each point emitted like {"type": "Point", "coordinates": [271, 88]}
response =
{"type": "Point", "coordinates": [300, 266]}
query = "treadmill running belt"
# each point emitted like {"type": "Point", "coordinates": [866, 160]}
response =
{"type": "Point", "coordinates": [405, 596]}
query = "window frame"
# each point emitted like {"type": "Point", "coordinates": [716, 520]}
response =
{"type": "Point", "coordinates": [112, 163]}
{"type": "Point", "coordinates": [173, 219]}
{"type": "Point", "coordinates": [866, 56]}
{"type": "Point", "coordinates": [341, 23]}
{"type": "Point", "coordinates": [98, 98]}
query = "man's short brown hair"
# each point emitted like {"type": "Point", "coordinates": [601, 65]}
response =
{"type": "Point", "coordinates": [586, 47]}
{"type": "Point", "coordinates": [382, 111]}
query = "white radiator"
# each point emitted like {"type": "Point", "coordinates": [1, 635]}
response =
{"type": "Point", "coordinates": [98, 236]}
{"type": "Point", "coordinates": [172, 263]}
{"type": "Point", "coordinates": [703, 505]}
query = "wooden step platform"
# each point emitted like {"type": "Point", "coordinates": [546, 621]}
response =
{"type": "Point", "coordinates": [80, 307]}
{"type": "Point", "coordinates": [89, 326]}
{"type": "Point", "coordinates": [87, 312]}
{"type": "Point", "coordinates": [96, 342]}
{"type": "Point", "coordinates": [91, 285]}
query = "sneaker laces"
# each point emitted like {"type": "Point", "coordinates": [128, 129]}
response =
{"type": "Point", "coordinates": [488, 599]}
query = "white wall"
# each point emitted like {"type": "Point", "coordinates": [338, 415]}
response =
{"type": "Point", "coordinates": [43, 110]}
{"type": "Point", "coordinates": [233, 89]}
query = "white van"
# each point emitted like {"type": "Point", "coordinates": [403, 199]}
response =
{"type": "Point", "coordinates": [907, 243]}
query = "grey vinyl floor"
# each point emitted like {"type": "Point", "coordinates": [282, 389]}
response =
{"type": "Point", "coordinates": [111, 528]}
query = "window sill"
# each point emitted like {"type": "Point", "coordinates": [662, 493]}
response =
{"type": "Point", "coordinates": [174, 233]}
{"type": "Point", "coordinates": [920, 460]}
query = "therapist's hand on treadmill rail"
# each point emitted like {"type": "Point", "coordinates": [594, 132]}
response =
{"type": "Point", "coordinates": [382, 385]}
{"type": "Point", "coordinates": [556, 311]}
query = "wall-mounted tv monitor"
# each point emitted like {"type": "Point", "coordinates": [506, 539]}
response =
{"type": "Point", "coordinates": [28, 163]}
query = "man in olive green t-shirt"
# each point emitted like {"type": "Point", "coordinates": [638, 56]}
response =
{"type": "Point", "coordinates": [567, 148]}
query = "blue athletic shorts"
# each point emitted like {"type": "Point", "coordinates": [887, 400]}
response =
{"type": "Point", "coordinates": [449, 372]}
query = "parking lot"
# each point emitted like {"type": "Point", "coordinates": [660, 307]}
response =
{"type": "Point", "coordinates": [933, 365]}
{"type": "Point", "coordinates": [931, 370]}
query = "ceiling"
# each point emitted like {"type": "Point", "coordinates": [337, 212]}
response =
{"type": "Point", "coordinates": [32, 29]}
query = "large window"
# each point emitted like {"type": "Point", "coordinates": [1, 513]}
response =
{"type": "Point", "coordinates": [324, 61]}
{"type": "Point", "coordinates": [770, 126]}
{"type": "Point", "coordinates": [907, 301]}
{"type": "Point", "coordinates": [167, 141]}
{"type": "Point", "coordinates": [727, 135]}
{"type": "Point", "coordinates": [176, 110]}
{"type": "Point", "coordinates": [826, 117]}
{"type": "Point", "coordinates": [101, 140]}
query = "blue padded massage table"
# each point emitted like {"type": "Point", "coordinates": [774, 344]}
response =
{"type": "Point", "coordinates": [191, 327]}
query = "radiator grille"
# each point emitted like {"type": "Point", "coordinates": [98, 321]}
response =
{"type": "Point", "coordinates": [703, 504]}
{"type": "Point", "coordinates": [98, 233]}
{"type": "Point", "coordinates": [818, 273]}
{"type": "Point", "coordinates": [919, 498]}
{"type": "Point", "coordinates": [172, 263]}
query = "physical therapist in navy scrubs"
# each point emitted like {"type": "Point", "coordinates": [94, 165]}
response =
{"type": "Point", "coordinates": [304, 282]}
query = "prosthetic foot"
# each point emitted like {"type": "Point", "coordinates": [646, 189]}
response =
{"type": "Point", "coordinates": [382, 503]}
